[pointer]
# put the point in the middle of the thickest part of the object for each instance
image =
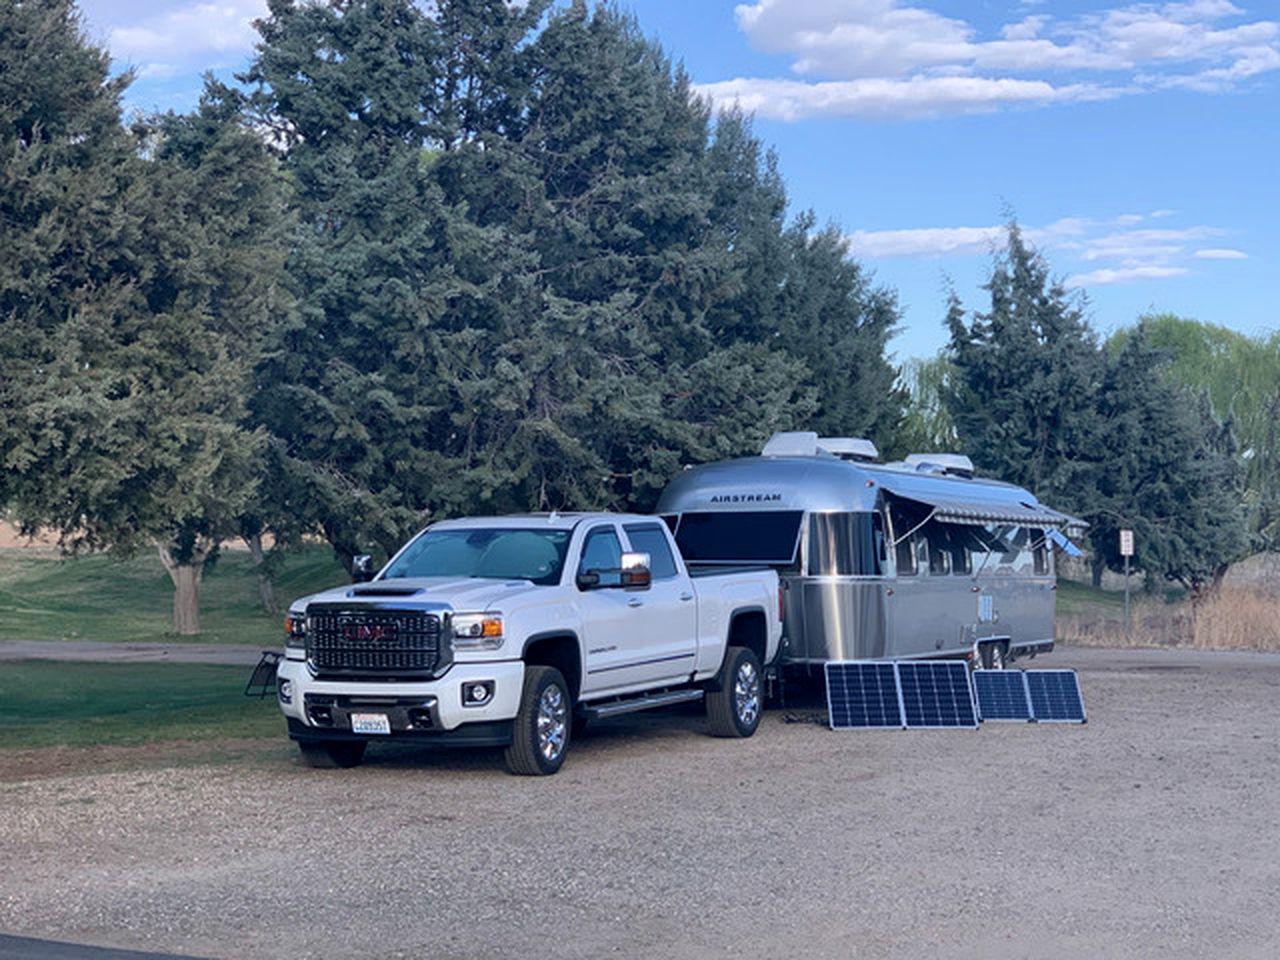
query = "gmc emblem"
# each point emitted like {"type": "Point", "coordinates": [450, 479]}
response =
{"type": "Point", "coordinates": [368, 633]}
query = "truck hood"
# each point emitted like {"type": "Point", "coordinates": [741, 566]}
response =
{"type": "Point", "coordinates": [460, 593]}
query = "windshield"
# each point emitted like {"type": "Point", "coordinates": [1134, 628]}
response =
{"type": "Point", "coordinates": [489, 552]}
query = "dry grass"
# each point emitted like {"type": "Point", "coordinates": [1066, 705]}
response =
{"type": "Point", "coordinates": [1238, 618]}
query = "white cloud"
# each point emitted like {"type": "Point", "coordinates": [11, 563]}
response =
{"type": "Point", "coordinates": [167, 34]}
{"type": "Point", "coordinates": [855, 56]}
{"type": "Point", "coordinates": [1123, 249]}
{"type": "Point", "coordinates": [891, 97]}
{"type": "Point", "coordinates": [1106, 276]}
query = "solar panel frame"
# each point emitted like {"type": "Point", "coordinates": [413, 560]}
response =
{"type": "Point", "coordinates": [884, 677]}
{"type": "Point", "coordinates": [1006, 697]}
{"type": "Point", "coordinates": [936, 695]}
{"type": "Point", "coordinates": [1055, 696]}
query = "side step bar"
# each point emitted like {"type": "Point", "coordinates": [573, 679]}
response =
{"type": "Point", "coordinates": [645, 701]}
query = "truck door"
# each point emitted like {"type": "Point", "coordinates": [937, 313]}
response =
{"type": "Point", "coordinates": [668, 608]}
{"type": "Point", "coordinates": [620, 640]}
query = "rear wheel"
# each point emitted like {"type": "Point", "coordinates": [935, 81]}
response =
{"type": "Point", "coordinates": [734, 704]}
{"type": "Point", "coordinates": [332, 754]}
{"type": "Point", "coordinates": [541, 734]}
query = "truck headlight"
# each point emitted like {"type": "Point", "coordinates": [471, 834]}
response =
{"type": "Point", "coordinates": [477, 631]}
{"type": "Point", "coordinates": [295, 631]}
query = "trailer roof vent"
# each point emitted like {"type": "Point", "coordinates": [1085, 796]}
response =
{"type": "Point", "coordinates": [850, 448]}
{"type": "Point", "coordinates": [796, 443]}
{"type": "Point", "coordinates": [950, 464]}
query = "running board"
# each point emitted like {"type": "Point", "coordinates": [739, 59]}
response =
{"type": "Point", "coordinates": [646, 701]}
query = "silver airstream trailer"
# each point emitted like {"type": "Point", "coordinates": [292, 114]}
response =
{"type": "Point", "coordinates": [878, 561]}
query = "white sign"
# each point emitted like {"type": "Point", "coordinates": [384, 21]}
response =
{"type": "Point", "coordinates": [1126, 543]}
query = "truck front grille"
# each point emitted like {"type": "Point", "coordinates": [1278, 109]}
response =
{"type": "Point", "coordinates": [373, 644]}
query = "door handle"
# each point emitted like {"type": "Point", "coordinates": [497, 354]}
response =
{"type": "Point", "coordinates": [686, 596]}
{"type": "Point", "coordinates": [635, 602]}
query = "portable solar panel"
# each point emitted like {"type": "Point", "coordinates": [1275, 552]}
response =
{"type": "Point", "coordinates": [936, 693]}
{"type": "Point", "coordinates": [862, 694]}
{"type": "Point", "coordinates": [1001, 695]}
{"type": "Point", "coordinates": [1055, 696]}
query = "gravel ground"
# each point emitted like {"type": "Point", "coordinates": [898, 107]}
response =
{"type": "Point", "coordinates": [1149, 832]}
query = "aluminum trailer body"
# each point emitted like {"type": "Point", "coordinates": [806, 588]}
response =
{"type": "Point", "coordinates": [879, 561]}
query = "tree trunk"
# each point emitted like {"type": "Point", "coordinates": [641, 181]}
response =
{"type": "Point", "coordinates": [186, 579]}
{"type": "Point", "coordinates": [1097, 567]}
{"type": "Point", "coordinates": [266, 590]}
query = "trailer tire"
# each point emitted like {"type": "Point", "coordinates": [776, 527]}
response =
{"type": "Point", "coordinates": [543, 725]}
{"type": "Point", "coordinates": [735, 700]}
{"type": "Point", "coordinates": [332, 754]}
{"type": "Point", "coordinates": [992, 656]}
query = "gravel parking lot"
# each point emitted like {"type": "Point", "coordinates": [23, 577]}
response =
{"type": "Point", "coordinates": [1149, 832]}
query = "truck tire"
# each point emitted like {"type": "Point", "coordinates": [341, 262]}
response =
{"type": "Point", "coordinates": [735, 700]}
{"type": "Point", "coordinates": [332, 754]}
{"type": "Point", "coordinates": [540, 737]}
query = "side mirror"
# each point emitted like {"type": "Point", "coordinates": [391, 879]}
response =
{"type": "Point", "coordinates": [362, 568]}
{"type": "Point", "coordinates": [636, 574]}
{"type": "Point", "coordinates": [589, 580]}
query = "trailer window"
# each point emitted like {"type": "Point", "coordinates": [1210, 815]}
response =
{"type": "Point", "coordinates": [907, 556]}
{"type": "Point", "coordinates": [766, 536]}
{"type": "Point", "coordinates": [949, 546]}
{"type": "Point", "coordinates": [846, 544]}
{"type": "Point", "coordinates": [1041, 551]}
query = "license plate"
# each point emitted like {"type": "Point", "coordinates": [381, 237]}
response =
{"type": "Point", "coordinates": [370, 723]}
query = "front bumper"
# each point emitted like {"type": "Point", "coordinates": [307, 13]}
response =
{"type": "Point", "coordinates": [427, 711]}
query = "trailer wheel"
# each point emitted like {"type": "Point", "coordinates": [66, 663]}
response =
{"type": "Point", "coordinates": [540, 738]}
{"type": "Point", "coordinates": [735, 700]}
{"type": "Point", "coordinates": [332, 754]}
{"type": "Point", "coordinates": [991, 656]}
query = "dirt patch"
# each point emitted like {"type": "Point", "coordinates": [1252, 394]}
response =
{"type": "Point", "coordinates": [52, 762]}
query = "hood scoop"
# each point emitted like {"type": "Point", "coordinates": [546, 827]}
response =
{"type": "Point", "coordinates": [385, 591]}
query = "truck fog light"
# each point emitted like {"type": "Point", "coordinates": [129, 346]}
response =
{"type": "Point", "coordinates": [285, 691]}
{"type": "Point", "coordinates": [476, 693]}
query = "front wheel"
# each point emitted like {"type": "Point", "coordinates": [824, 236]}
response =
{"type": "Point", "coordinates": [541, 734]}
{"type": "Point", "coordinates": [734, 703]}
{"type": "Point", "coordinates": [332, 753]}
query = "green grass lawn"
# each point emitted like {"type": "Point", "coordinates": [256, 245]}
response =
{"type": "Point", "coordinates": [102, 598]}
{"type": "Point", "coordinates": [46, 704]}
{"type": "Point", "coordinates": [1083, 599]}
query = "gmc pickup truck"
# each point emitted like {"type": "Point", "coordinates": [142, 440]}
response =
{"type": "Point", "coordinates": [515, 631]}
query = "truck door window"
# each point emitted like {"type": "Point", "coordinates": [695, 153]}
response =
{"type": "Point", "coordinates": [649, 538]}
{"type": "Point", "coordinates": [602, 554]}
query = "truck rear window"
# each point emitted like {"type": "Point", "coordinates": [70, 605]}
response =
{"type": "Point", "coordinates": [766, 536]}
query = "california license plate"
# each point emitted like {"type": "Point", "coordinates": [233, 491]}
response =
{"type": "Point", "coordinates": [370, 723]}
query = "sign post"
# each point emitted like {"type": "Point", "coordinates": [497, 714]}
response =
{"type": "Point", "coordinates": [1126, 551]}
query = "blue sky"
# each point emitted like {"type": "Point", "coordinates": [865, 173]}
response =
{"type": "Point", "coordinates": [1137, 144]}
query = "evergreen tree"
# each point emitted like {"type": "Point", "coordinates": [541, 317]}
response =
{"type": "Point", "coordinates": [131, 322]}
{"type": "Point", "coordinates": [1170, 473]}
{"type": "Point", "coordinates": [1027, 372]}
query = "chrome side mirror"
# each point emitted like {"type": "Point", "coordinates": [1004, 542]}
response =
{"type": "Point", "coordinates": [636, 573]}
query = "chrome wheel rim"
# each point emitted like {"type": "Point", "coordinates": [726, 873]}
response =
{"type": "Point", "coordinates": [746, 694]}
{"type": "Point", "coordinates": [553, 722]}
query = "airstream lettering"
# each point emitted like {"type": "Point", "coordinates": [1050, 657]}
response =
{"type": "Point", "coordinates": [878, 561]}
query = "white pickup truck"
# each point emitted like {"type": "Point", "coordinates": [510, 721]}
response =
{"type": "Point", "coordinates": [515, 631]}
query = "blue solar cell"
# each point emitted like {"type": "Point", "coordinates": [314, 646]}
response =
{"type": "Point", "coordinates": [936, 693]}
{"type": "Point", "coordinates": [1001, 695]}
{"type": "Point", "coordinates": [1055, 696]}
{"type": "Point", "coordinates": [862, 694]}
